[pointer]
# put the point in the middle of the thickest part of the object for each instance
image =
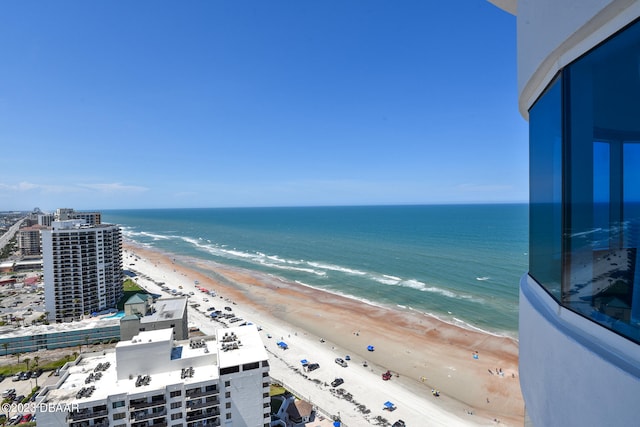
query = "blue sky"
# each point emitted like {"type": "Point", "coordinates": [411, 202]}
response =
{"type": "Point", "coordinates": [145, 104]}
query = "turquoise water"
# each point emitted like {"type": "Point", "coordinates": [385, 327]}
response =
{"type": "Point", "coordinates": [117, 315]}
{"type": "Point", "coordinates": [459, 262]}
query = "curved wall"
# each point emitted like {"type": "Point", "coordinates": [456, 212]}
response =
{"type": "Point", "coordinates": [592, 376]}
{"type": "Point", "coordinates": [552, 34]}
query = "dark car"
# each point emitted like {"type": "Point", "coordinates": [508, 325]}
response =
{"type": "Point", "coordinates": [312, 367]}
{"type": "Point", "coordinates": [337, 382]}
{"type": "Point", "coordinates": [398, 423]}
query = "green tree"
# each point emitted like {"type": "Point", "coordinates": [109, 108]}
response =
{"type": "Point", "coordinates": [5, 345]}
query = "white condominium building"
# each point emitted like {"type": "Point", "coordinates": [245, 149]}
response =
{"type": "Point", "coordinates": [154, 381]}
{"type": "Point", "coordinates": [82, 268]}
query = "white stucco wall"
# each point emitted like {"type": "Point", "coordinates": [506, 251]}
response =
{"type": "Point", "coordinates": [553, 33]}
{"type": "Point", "coordinates": [572, 371]}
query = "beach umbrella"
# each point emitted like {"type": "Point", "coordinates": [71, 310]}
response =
{"type": "Point", "coordinates": [336, 424]}
{"type": "Point", "coordinates": [388, 404]}
{"type": "Point", "coordinates": [370, 347]}
{"type": "Point", "coordinates": [304, 362]}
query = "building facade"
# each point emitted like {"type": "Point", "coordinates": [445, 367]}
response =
{"type": "Point", "coordinates": [141, 314]}
{"type": "Point", "coordinates": [579, 86]}
{"type": "Point", "coordinates": [210, 381]}
{"type": "Point", "coordinates": [82, 269]}
{"type": "Point", "coordinates": [29, 240]}
{"type": "Point", "coordinates": [91, 218]}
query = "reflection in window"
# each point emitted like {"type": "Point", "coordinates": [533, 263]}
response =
{"type": "Point", "coordinates": [596, 229]}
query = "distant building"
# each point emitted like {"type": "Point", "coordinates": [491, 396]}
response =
{"type": "Point", "coordinates": [141, 314]}
{"type": "Point", "coordinates": [46, 219]}
{"type": "Point", "coordinates": [91, 218]}
{"type": "Point", "coordinates": [82, 268]}
{"type": "Point", "coordinates": [29, 240]}
{"type": "Point", "coordinates": [154, 381]}
{"type": "Point", "coordinates": [289, 411]}
{"type": "Point", "coordinates": [54, 336]}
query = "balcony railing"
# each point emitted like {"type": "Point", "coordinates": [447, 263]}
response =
{"type": "Point", "coordinates": [145, 404]}
{"type": "Point", "coordinates": [206, 403]}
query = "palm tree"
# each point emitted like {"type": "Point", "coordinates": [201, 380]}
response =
{"type": "Point", "coordinates": [36, 359]}
{"type": "Point", "coordinates": [26, 361]}
{"type": "Point", "coordinates": [5, 345]}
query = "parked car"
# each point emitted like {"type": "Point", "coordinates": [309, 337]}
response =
{"type": "Point", "coordinates": [341, 362]}
{"type": "Point", "coordinates": [9, 392]}
{"type": "Point", "coordinates": [337, 382]}
{"type": "Point", "coordinates": [25, 418]}
{"type": "Point", "coordinates": [15, 419]}
{"type": "Point", "coordinates": [312, 366]}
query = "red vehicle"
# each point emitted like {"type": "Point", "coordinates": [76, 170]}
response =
{"type": "Point", "coordinates": [25, 418]}
{"type": "Point", "coordinates": [386, 376]}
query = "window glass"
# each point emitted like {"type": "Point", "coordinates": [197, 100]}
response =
{"type": "Point", "coordinates": [545, 182]}
{"type": "Point", "coordinates": [602, 160]}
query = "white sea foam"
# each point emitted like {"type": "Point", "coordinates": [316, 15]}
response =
{"type": "Point", "coordinates": [385, 280]}
{"type": "Point", "coordinates": [336, 268]}
{"type": "Point", "coordinates": [482, 278]}
{"type": "Point", "coordinates": [290, 268]}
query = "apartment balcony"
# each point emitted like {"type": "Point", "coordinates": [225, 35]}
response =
{"type": "Point", "coordinates": [201, 393]}
{"type": "Point", "coordinates": [144, 415]}
{"type": "Point", "coordinates": [205, 423]}
{"type": "Point", "coordinates": [146, 424]}
{"type": "Point", "coordinates": [202, 415]}
{"type": "Point", "coordinates": [192, 405]}
{"type": "Point", "coordinates": [141, 405]}
{"type": "Point", "coordinates": [86, 415]}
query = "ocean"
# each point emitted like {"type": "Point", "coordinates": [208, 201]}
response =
{"type": "Point", "coordinates": [460, 263]}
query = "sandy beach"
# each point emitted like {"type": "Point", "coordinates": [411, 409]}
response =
{"type": "Point", "coordinates": [475, 373]}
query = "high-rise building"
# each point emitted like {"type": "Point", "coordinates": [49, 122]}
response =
{"type": "Point", "coordinates": [579, 87]}
{"type": "Point", "coordinates": [154, 381]}
{"type": "Point", "coordinates": [29, 240]}
{"type": "Point", "coordinates": [82, 268]}
{"type": "Point", "coordinates": [92, 218]}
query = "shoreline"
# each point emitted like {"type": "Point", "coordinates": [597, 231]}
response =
{"type": "Point", "coordinates": [421, 350]}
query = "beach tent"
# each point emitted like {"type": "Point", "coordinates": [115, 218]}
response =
{"type": "Point", "coordinates": [336, 424]}
{"type": "Point", "coordinates": [282, 345]}
{"type": "Point", "coordinates": [389, 405]}
{"type": "Point", "coordinates": [370, 347]}
{"type": "Point", "coordinates": [304, 362]}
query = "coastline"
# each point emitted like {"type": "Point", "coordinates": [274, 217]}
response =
{"type": "Point", "coordinates": [422, 351]}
